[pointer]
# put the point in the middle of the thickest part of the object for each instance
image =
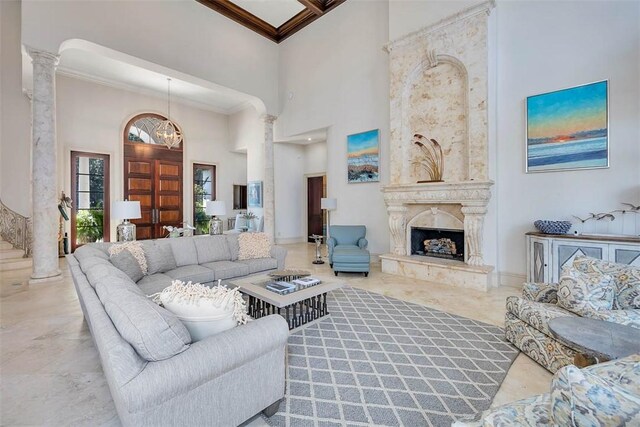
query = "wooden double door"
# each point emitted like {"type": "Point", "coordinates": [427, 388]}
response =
{"type": "Point", "coordinates": [153, 176]}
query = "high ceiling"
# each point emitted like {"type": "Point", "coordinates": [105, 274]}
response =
{"type": "Point", "coordinates": [273, 19]}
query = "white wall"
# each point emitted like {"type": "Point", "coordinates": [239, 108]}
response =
{"type": "Point", "coordinates": [289, 162]}
{"type": "Point", "coordinates": [91, 117]}
{"type": "Point", "coordinates": [15, 121]}
{"type": "Point", "coordinates": [338, 75]}
{"type": "Point", "coordinates": [315, 158]}
{"type": "Point", "coordinates": [544, 46]}
{"type": "Point", "coordinates": [182, 35]}
{"type": "Point", "coordinates": [407, 16]}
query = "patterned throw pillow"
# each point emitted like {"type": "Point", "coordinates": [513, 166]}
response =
{"type": "Point", "coordinates": [253, 246]}
{"type": "Point", "coordinates": [626, 279]}
{"type": "Point", "coordinates": [579, 398]}
{"type": "Point", "coordinates": [582, 293]}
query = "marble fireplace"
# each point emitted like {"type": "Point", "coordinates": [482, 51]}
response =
{"type": "Point", "coordinates": [439, 90]}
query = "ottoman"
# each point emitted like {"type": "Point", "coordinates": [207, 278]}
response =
{"type": "Point", "coordinates": [351, 258]}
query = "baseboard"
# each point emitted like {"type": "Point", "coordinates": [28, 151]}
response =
{"type": "Point", "coordinates": [513, 280]}
{"type": "Point", "coordinates": [289, 240]}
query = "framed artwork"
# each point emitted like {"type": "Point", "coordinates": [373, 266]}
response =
{"type": "Point", "coordinates": [254, 194]}
{"type": "Point", "coordinates": [363, 156]}
{"type": "Point", "coordinates": [568, 129]}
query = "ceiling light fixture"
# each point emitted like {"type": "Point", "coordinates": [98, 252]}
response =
{"type": "Point", "coordinates": [168, 132]}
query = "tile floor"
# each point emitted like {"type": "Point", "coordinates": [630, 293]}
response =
{"type": "Point", "coordinates": [51, 373]}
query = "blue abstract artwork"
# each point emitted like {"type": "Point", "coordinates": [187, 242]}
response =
{"type": "Point", "coordinates": [363, 156]}
{"type": "Point", "coordinates": [568, 129]}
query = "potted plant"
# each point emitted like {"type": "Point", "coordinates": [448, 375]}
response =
{"type": "Point", "coordinates": [250, 218]}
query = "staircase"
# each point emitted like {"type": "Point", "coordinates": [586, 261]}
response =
{"type": "Point", "coordinates": [11, 258]}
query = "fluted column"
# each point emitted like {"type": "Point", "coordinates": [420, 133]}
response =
{"type": "Point", "coordinates": [397, 227]}
{"type": "Point", "coordinates": [43, 160]}
{"type": "Point", "coordinates": [269, 180]}
{"type": "Point", "coordinates": [473, 233]}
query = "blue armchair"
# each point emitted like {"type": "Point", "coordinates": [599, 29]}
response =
{"type": "Point", "coordinates": [348, 249]}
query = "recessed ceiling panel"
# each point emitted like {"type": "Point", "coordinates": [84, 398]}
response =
{"type": "Point", "coordinates": [275, 12]}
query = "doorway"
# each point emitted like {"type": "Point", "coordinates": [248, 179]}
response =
{"type": "Point", "coordinates": [152, 176]}
{"type": "Point", "coordinates": [90, 196]}
{"type": "Point", "coordinates": [315, 215]}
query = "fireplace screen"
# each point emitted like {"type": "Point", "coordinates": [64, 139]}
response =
{"type": "Point", "coordinates": [437, 242]}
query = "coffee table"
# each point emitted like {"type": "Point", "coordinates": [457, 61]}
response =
{"type": "Point", "coordinates": [595, 340]}
{"type": "Point", "coordinates": [298, 308]}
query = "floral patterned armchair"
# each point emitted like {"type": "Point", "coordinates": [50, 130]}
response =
{"type": "Point", "coordinates": [589, 288]}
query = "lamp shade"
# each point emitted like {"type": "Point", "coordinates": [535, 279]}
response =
{"type": "Point", "coordinates": [328, 203]}
{"type": "Point", "coordinates": [216, 207]}
{"type": "Point", "coordinates": [126, 210]}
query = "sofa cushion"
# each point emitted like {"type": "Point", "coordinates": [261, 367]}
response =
{"type": "Point", "coordinates": [159, 256]}
{"type": "Point", "coordinates": [212, 248]}
{"type": "Point", "coordinates": [253, 246]}
{"type": "Point", "coordinates": [227, 269]}
{"type": "Point", "coordinates": [628, 317]}
{"type": "Point", "coordinates": [583, 292]}
{"type": "Point", "coordinates": [536, 314]}
{"type": "Point", "coordinates": [89, 250]}
{"type": "Point", "coordinates": [104, 271]}
{"type": "Point", "coordinates": [86, 264]}
{"type": "Point", "coordinates": [184, 251]}
{"type": "Point", "coordinates": [192, 273]}
{"type": "Point", "coordinates": [154, 283]}
{"type": "Point", "coordinates": [626, 279]}
{"type": "Point", "coordinates": [126, 262]}
{"type": "Point", "coordinates": [540, 292]}
{"type": "Point", "coordinates": [578, 397]}
{"type": "Point", "coordinates": [262, 264]}
{"type": "Point", "coordinates": [234, 246]}
{"type": "Point", "coordinates": [530, 412]}
{"type": "Point", "coordinates": [155, 333]}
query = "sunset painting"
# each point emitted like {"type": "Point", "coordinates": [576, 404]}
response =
{"type": "Point", "coordinates": [568, 129]}
{"type": "Point", "coordinates": [362, 149]}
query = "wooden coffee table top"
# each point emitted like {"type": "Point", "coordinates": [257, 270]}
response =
{"type": "Point", "coordinates": [255, 286]}
{"type": "Point", "coordinates": [597, 338]}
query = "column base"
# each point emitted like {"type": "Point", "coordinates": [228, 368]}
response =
{"type": "Point", "coordinates": [56, 276]}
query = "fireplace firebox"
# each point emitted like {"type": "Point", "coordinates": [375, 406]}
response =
{"type": "Point", "coordinates": [437, 242]}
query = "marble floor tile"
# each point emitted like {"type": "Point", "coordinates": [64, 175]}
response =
{"type": "Point", "coordinates": [51, 372]}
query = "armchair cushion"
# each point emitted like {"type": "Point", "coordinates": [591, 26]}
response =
{"type": "Point", "coordinates": [583, 292]}
{"type": "Point", "coordinates": [626, 279]}
{"type": "Point", "coordinates": [579, 397]}
{"type": "Point", "coordinates": [623, 317]}
{"type": "Point", "coordinates": [348, 234]}
{"type": "Point", "coordinates": [540, 292]}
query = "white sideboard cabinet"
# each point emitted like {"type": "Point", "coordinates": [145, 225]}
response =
{"type": "Point", "coordinates": [548, 253]}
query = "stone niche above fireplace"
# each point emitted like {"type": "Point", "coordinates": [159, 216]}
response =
{"type": "Point", "coordinates": [439, 89]}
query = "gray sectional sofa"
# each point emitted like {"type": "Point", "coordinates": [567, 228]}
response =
{"type": "Point", "coordinates": [156, 375]}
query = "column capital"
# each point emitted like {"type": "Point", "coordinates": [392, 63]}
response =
{"type": "Point", "coordinates": [42, 56]}
{"type": "Point", "coordinates": [268, 118]}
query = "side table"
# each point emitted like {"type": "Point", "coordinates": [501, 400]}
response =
{"type": "Point", "coordinates": [595, 340]}
{"type": "Point", "coordinates": [318, 239]}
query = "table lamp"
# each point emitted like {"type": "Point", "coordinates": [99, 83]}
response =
{"type": "Point", "coordinates": [213, 208]}
{"type": "Point", "coordinates": [126, 210]}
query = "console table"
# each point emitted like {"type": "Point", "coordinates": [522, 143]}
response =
{"type": "Point", "coordinates": [547, 254]}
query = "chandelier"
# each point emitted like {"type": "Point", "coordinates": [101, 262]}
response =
{"type": "Point", "coordinates": [168, 132]}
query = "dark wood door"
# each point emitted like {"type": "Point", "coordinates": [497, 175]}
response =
{"type": "Point", "coordinates": [153, 176]}
{"type": "Point", "coordinates": [314, 213]}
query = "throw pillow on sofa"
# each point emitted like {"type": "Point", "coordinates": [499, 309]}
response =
{"type": "Point", "coordinates": [253, 246]}
{"type": "Point", "coordinates": [159, 256]}
{"type": "Point", "coordinates": [582, 293]}
{"type": "Point", "coordinates": [129, 257]}
{"type": "Point", "coordinates": [626, 279]}
{"type": "Point", "coordinates": [580, 398]}
{"type": "Point", "coordinates": [204, 310]}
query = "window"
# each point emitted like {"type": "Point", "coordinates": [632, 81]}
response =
{"type": "Point", "coordinates": [142, 129]}
{"type": "Point", "coordinates": [204, 188]}
{"type": "Point", "coordinates": [239, 197]}
{"type": "Point", "coordinates": [90, 195]}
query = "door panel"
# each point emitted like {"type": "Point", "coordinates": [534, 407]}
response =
{"type": "Point", "coordinates": [314, 212]}
{"type": "Point", "coordinates": [168, 196]}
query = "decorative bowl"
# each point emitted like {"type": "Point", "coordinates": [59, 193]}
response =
{"type": "Point", "coordinates": [552, 227]}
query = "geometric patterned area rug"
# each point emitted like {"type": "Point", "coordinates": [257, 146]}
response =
{"type": "Point", "coordinates": [381, 361]}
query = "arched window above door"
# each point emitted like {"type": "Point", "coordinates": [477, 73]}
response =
{"type": "Point", "coordinates": [142, 129]}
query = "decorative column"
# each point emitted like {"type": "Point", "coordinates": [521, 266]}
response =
{"type": "Point", "coordinates": [397, 226]}
{"type": "Point", "coordinates": [473, 233]}
{"type": "Point", "coordinates": [269, 180]}
{"type": "Point", "coordinates": [43, 159]}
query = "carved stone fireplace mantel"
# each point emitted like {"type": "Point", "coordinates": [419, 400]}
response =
{"type": "Point", "coordinates": [439, 90]}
